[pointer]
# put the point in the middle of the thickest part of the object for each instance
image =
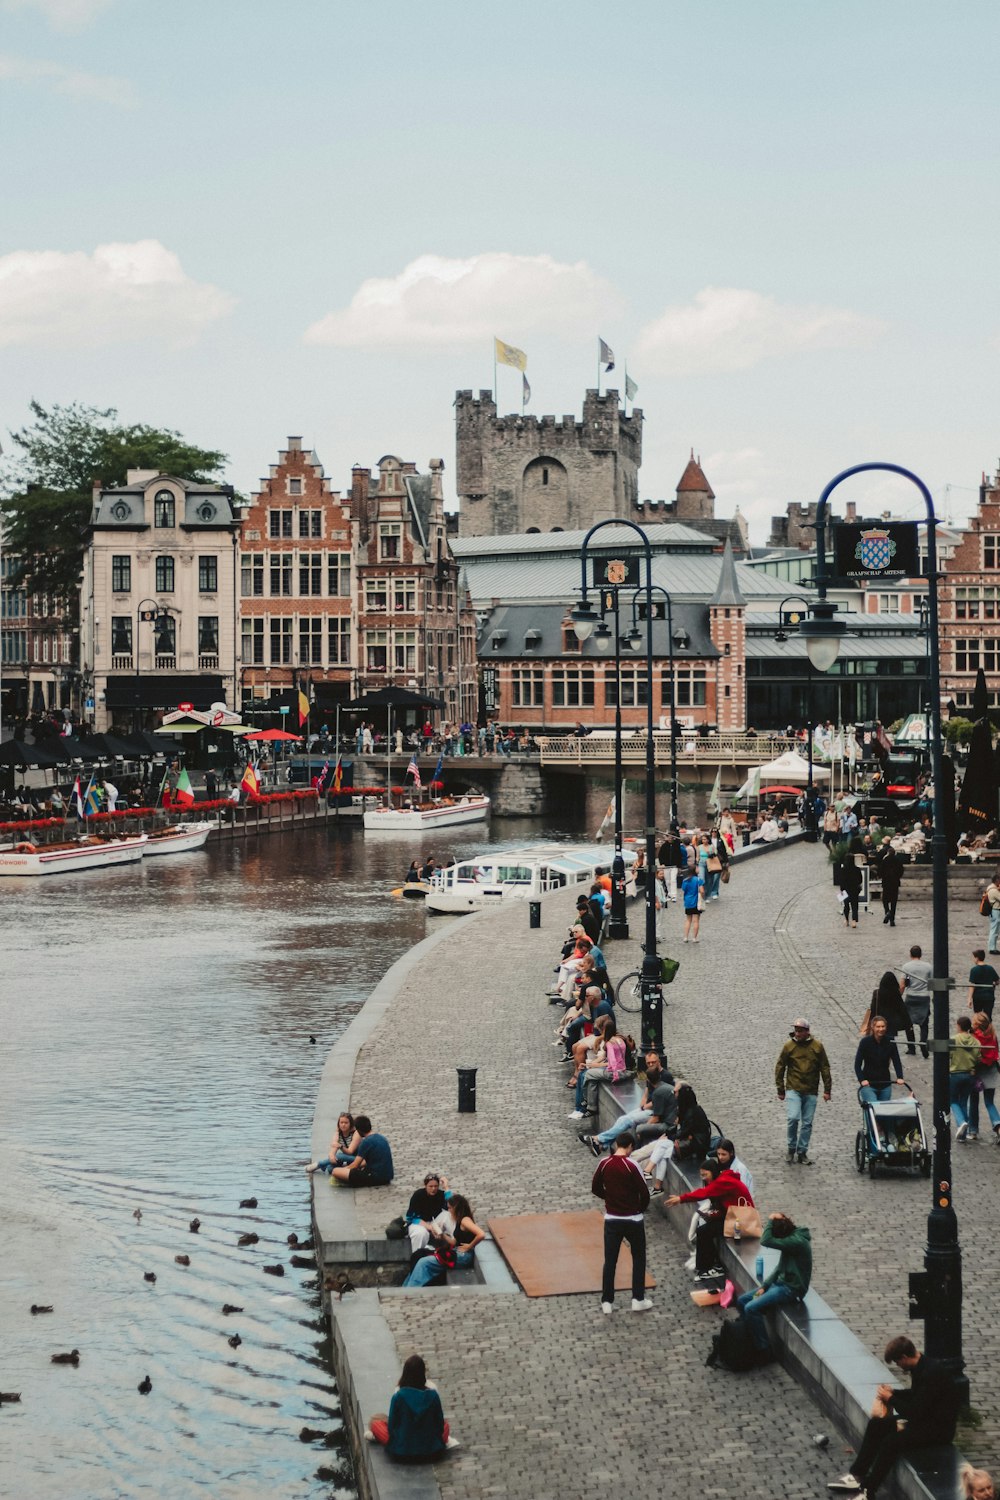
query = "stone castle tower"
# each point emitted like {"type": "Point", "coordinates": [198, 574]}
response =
{"type": "Point", "coordinates": [520, 473]}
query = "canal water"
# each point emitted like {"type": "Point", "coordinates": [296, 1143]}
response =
{"type": "Point", "coordinates": [156, 1058]}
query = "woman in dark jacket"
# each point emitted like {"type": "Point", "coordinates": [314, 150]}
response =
{"type": "Point", "coordinates": [848, 877]}
{"type": "Point", "coordinates": [415, 1428]}
{"type": "Point", "coordinates": [887, 1002]}
{"type": "Point", "coordinates": [874, 1062]}
{"type": "Point", "coordinates": [692, 1132]}
{"type": "Point", "coordinates": [890, 868]}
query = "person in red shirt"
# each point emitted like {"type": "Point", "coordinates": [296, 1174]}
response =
{"type": "Point", "coordinates": [723, 1187]}
{"type": "Point", "coordinates": [619, 1181]}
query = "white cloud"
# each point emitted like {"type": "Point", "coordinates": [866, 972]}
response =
{"type": "Point", "coordinates": [438, 301]}
{"type": "Point", "coordinates": [62, 15]}
{"type": "Point", "coordinates": [93, 87]}
{"type": "Point", "coordinates": [727, 329]}
{"type": "Point", "coordinates": [120, 293]}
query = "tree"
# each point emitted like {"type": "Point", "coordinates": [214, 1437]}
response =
{"type": "Point", "coordinates": [46, 488]}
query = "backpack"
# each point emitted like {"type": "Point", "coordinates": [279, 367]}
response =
{"type": "Point", "coordinates": [733, 1349]}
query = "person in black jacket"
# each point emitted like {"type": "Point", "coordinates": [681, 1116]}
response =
{"type": "Point", "coordinates": [921, 1417]}
{"type": "Point", "coordinates": [847, 875]}
{"type": "Point", "coordinates": [875, 1058]}
{"type": "Point", "coordinates": [890, 869]}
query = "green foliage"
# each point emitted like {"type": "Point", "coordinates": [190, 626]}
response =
{"type": "Point", "coordinates": [957, 731]}
{"type": "Point", "coordinates": [46, 487]}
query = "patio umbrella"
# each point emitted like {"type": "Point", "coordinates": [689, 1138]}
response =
{"type": "Point", "coordinates": [977, 803]}
{"type": "Point", "coordinates": [272, 734]}
{"type": "Point", "coordinates": [18, 753]}
{"type": "Point", "coordinates": [73, 749]}
{"type": "Point", "coordinates": [944, 804]}
{"type": "Point", "coordinates": [392, 697]}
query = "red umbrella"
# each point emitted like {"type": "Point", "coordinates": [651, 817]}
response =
{"type": "Point", "coordinates": [271, 734]}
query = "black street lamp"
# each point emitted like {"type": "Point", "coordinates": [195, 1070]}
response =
{"type": "Point", "coordinates": [585, 620]}
{"type": "Point", "coordinates": [781, 635]}
{"type": "Point", "coordinates": [151, 612]}
{"type": "Point", "coordinates": [936, 1292]}
{"type": "Point", "coordinates": [679, 638]}
{"type": "Point", "coordinates": [618, 920]}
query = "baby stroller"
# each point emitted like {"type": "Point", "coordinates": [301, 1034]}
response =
{"type": "Point", "coordinates": [897, 1128]}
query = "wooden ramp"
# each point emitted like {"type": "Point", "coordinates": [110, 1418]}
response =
{"type": "Point", "coordinates": [554, 1255]}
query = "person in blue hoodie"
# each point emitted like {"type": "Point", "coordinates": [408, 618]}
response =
{"type": "Point", "coordinates": [415, 1428]}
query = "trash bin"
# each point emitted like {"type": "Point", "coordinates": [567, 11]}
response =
{"type": "Point", "coordinates": [746, 838]}
{"type": "Point", "coordinates": [534, 914]}
{"type": "Point", "coordinates": [467, 1091]}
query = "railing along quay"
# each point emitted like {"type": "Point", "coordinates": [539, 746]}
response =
{"type": "Point", "coordinates": [692, 749]}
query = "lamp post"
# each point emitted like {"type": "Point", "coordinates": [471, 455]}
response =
{"type": "Point", "coordinates": [150, 611]}
{"type": "Point", "coordinates": [584, 621]}
{"type": "Point", "coordinates": [936, 1292]}
{"type": "Point", "coordinates": [781, 636]}
{"type": "Point", "coordinates": [681, 640]}
{"type": "Point", "coordinates": [618, 921]}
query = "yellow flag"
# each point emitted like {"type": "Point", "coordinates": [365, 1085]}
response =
{"type": "Point", "coordinates": [506, 354]}
{"type": "Point", "coordinates": [303, 708]}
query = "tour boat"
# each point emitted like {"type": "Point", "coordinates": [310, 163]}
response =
{"type": "Point", "coordinates": [178, 838]}
{"type": "Point", "coordinates": [447, 813]}
{"type": "Point", "coordinates": [87, 853]}
{"type": "Point", "coordinates": [495, 878]}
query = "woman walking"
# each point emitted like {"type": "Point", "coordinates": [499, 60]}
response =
{"type": "Point", "coordinates": [986, 1078]}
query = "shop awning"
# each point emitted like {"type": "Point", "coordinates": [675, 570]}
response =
{"type": "Point", "coordinates": [164, 690]}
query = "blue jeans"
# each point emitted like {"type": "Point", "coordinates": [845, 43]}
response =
{"type": "Point", "coordinates": [753, 1309]}
{"type": "Point", "coordinates": [879, 1093]}
{"type": "Point", "coordinates": [799, 1111]}
{"type": "Point", "coordinates": [623, 1123]}
{"type": "Point", "coordinates": [994, 926]}
{"type": "Point", "coordinates": [593, 1076]}
{"type": "Point", "coordinates": [960, 1087]}
{"type": "Point", "coordinates": [712, 879]}
{"type": "Point", "coordinates": [991, 1109]}
{"type": "Point", "coordinates": [425, 1272]}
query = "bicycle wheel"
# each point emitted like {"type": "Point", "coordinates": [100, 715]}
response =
{"type": "Point", "coordinates": [628, 992]}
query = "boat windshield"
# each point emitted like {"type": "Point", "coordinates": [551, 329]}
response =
{"type": "Point", "coordinates": [514, 874]}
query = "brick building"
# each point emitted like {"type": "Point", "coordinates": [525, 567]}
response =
{"type": "Point", "coordinates": [521, 473]}
{"type": "Point", "coordinates": [39, 649]}
{"type": "Point", "coordinates": [297, 587]}
{"type": "Point", "coordinates": [416, 625]}
{"type": "Point", "coordinates": [969, 599]}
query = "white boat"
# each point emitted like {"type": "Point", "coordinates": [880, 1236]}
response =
{"type": "Point", "coordinates": [89, 853]}
{"type": "Point", "coordinates": [447, 813]}
{"type": "Point", "coordinates": [497, 877]}
{"type": "Point", "coordinates": [178, 839]}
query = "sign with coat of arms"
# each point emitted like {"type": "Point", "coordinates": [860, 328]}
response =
{"type": "Point", "coordinates": [615, 572]}
{"type": "Point", "coordinates": [874, 551]}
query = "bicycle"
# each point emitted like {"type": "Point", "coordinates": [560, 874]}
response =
{"type": "Point", "coordinates": [628, 992]}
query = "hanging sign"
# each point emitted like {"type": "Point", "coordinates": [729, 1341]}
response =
{"type": "Point", "coordinates": [873, 551]}
{"type": "Point", "coordinates": [615, 572]}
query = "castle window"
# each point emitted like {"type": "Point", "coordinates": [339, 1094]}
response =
{"type": "Point", "coordinates": [727, 690]}
{"type": "Point", "coordinates": [725, 649]}
{"type": "Point", "coordinates": [545, 476]}
{"type": "Point", "coordinates": [532, 530]}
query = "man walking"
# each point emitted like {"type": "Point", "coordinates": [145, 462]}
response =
{"type": "Point", "coordinates": [890, 869]}
{"type": "Point", "coordinates": [929, 1412]}
{"type": "Point", "coordinates": [801, 1063]}
{"type": "Point", "coordinates": [626, 1197]}
{"type": "Point", "coordinates": [917, 998]}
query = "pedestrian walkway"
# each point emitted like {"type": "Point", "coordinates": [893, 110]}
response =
{"type": "Point", "coordinates": [548, 1397]}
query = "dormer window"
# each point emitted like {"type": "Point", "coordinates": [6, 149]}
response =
{"type": "Point", "coordinates": [163, 508]}
{"type": "Point", "coordinates": [532, 638]}
{"type": "Point", "coordinates": [497, 639]}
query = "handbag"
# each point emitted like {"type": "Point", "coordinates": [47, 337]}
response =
{"type": "Point", "coordinates": [985, 905]}
{"type": "Point", "coordinates": [668, 969]}
{"type": "Point", "coordinates": [746, 1216]}
{"type": "Point", "coordinates": [396, 1229]}
{"type": "Point", "coordinates": [724, 877]}
{"type": "Point", "coordinates": [714, 864]}
{"type": "Point", "coordinates": [701, 900]}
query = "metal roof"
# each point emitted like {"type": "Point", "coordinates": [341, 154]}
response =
{"type": "Point", "coordinates": [852, 647]}
{"type": "Point", "coordinates": [660, 534]}
{"type": "Point", "coordinates": [557, 578]}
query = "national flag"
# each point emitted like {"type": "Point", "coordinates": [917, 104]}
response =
{"type": "Point", "coordinates": [414, 770]}
{"type": "Point", "coordinates": [320, 782]}
{"type": "Point", "coordinates": [716, 793]}
{"type": "Point", "coordinates": [78, 797]}
{"type": "Point", "coordinates": [303, 708]}
{"type": "Point", "coordinates": [183, 791]}
{"type": "Point", "coordinates": [160, 797]}
{"type": "Point", "coordinates": [525, 390]}
{"type": "Point", "coordinates": [250, 783]}
{"type": "Point", "coordinates": [608, 819]}
{"type": "Point", "coordinates": [606, 356]}
{"type": "Point", "coordinates": [438, 769]}
{"type": "Point", "coordinates": [507, 354]}
{"type": "Point", "coordinates": [631, 389]}
{"type": "Point", "coordinates": [338, 777]}
{"type": "Point", "coordinates": [92, 799]}
{"type": "Point", "coordinates": [755, 782]}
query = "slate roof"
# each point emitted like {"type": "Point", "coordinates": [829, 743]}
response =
{"type": "Point", "coordinates": [727, 592]}
{"type": "Point", "coordinates": [693, 480]}
{"type": "Point", "coordinates": [515, 621]}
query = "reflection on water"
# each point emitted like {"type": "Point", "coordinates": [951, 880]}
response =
{"type": "Point", "coordinates": [155, 1054]}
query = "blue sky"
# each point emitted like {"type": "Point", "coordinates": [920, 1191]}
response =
{"type": "Point", "coordinates": [245, 219]}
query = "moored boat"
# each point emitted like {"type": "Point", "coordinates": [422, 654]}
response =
{"type": "Point", "coordinates": [178, 839]}
{"type": "Point", "coordinates": [494, 878]}
{"type": "Point", "coordinates": [88, 853]}
{"type": "Point", "coordinates": [448, 813]}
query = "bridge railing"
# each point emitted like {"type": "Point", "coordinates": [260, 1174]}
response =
{"type": "Point", "coordinates": [692, 749]}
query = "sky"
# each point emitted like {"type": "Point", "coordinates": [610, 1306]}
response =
{"type": "Point", "coordinates": [244, 220]}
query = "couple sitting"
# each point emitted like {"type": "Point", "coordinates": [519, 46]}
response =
{"type": "Point", "coordinates": [442, 1231]}
{"type": "Point", "coordinates": [359, 1156]}
{"type": "Point", "coordinates": [725, 1183]}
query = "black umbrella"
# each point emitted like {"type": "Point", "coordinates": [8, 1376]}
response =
{"type": "Point", "coordinates": [69, 749]}
{"type": "Point", "coordinates": [112, 746]}
{"type": "Point", "coordinates": [977, 803]}
{"type": "Point", "coordinates": [145, 744]}
{"type": "Point", "coordinates": [17, 753]}
{"type": "Point", "coordinates": [392, 697]}
{"type": "Point", "coordinates": [944, 804]}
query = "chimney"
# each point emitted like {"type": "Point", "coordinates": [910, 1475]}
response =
{"type": "Point", "coordinates": [851, 513]}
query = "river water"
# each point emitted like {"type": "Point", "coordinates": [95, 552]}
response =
{"type": "Point", "coordinates": [155, 1054]}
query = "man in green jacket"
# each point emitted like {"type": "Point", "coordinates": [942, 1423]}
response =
{"type": "Point", "coordinates": [801, 1063]}
{"type": "Point", "coordinates": [788, 1282]}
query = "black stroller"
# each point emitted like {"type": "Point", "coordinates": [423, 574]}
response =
{"type": "Point", "coordinates": [897, 1128]}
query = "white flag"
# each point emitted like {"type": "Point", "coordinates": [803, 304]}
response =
{"type": "Point", "coordinates": [713, 801]}
{"type": "Point", "coordinates": [606, 356]}
{"type": "Point", "coordinates": [609, 817]}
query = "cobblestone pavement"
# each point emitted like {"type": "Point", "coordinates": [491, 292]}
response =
{"type": "Point", "coordinates": [549, 1398]}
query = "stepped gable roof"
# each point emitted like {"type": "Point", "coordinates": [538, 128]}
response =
{"type": "Point", "coordinates": [727, 590]}
{"type": "Point", "coordinates": [693, 479]}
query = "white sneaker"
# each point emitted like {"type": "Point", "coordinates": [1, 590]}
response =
{"type": "Point", "coordinates": [845, 1482]}
{"type": "Point", "coordinates": [576, 1114]}
{"type": "Point", "coordinates": [642, 1306]}
{"type": "Point", "coordinates": [452, 1443]}
{"type": "Point", "coordinates": [690, 1263]}
{"type": "Point", "coordinates": [961, 1132]}
{"type": "Point", "coordinates": [607, 1307]}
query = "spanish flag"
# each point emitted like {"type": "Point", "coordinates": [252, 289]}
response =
{"type": "Point", "coordinates": [506, 354]}
{"type": "Point", "coordinates": [303, 708]}
{"type": "Point", "coordinates": [250, 783]}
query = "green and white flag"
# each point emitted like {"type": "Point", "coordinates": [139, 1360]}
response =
{"type": "Point", "coordinates": [755, 782]}
{"type": "Point", "coordinates": [631, 389]}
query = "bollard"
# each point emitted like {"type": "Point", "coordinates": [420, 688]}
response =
{"type": "Point", "coordinates": [466, 1091]}
{"type": "Point", "coordinates": [534, 914]}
